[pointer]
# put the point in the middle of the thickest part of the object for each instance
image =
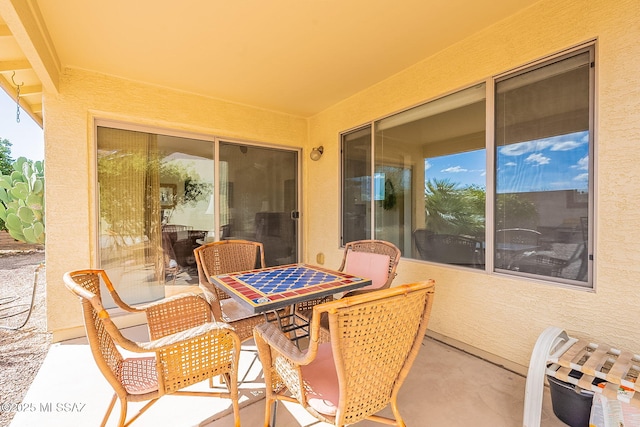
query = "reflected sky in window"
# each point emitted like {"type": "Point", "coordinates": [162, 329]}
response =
{"type": "Point", "coordinates": [468, 168]}
{"type": "Point", "coordinates": [549, 164]}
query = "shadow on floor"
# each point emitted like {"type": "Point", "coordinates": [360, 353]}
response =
{"type": "Point", "coordinates": [446, 388]}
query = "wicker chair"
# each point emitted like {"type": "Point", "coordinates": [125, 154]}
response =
{"type": "Point", "coordinates": [188, 348]}
{"type": "Point", "coordinates": [228, 256]}
{"type": "Point", "coordinates": [374, 340]}
{"type": "Point", "coordinates": [354, 249]}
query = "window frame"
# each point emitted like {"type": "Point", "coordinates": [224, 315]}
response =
{"type": "Point", "coordinates": [491, 176]}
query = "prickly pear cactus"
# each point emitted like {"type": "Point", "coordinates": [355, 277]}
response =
{"type": "Point", "coordinates": [22, 201]}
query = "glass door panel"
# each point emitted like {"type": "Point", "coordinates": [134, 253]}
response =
{"type": "Point", "coordinates": [259, 198]}
{"type": "Point", "coordinates": [186, 175]}
{"type": "Point", "coordinates": [356, 185]}
{"type": "Point", "coordinates": [155, 207]}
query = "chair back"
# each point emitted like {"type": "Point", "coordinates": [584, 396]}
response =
{"type": "Point", "coordinates": [375, 338]}
{"type": "Point", "coordinates": [420, 238]}
{"type": "Point", "coordinates": [360, 266]}
{"type": "Point", "coordinates": [98, 325]}
{"type": "Point", "coordinates": [226, 256]}
{"type": "Point", "coordinates": [452, 249]}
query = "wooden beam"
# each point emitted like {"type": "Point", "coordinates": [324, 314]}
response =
{"type": "Point", "coordinates": [36, 108]}
{"type": "Point", "coordinates": [30, 32]}
{"type": "Point", "coordinates": [21, 64]}
{"type": "Point", "coordinates": [30, 90]}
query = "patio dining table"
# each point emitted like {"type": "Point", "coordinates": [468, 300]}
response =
{"type": "Point", "coordinates": [270, 289]}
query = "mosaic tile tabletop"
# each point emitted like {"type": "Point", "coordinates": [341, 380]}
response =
{"type": "Point", "coordinates": [276, 287]}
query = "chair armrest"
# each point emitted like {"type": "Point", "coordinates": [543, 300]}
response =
{"type": "Point", "coordinates": [175, 314]}
{"type": "Point", "coordinates": [278, 341]}
{"type": "Point", "coordinates": [169, 341]}
{"type": "Point", "coordinates": [276, 352]}
{"type": "Point", "coordinates": [182, 337]}
{"type": "Point", "coordinates": [212, 298]}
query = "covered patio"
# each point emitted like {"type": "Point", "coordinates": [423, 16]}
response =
{"type": "Point", "coordinates": [246, 91]}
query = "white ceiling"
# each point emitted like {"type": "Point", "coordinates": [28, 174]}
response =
{"type": "Point", "coordinates": [293, 56]}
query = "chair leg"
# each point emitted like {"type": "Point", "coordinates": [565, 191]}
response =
{"type": "Point", "coordinates": [123, 413]}
{"type": "Point", "coordinates": [236, 412]}
{"type": "Point", "coordinates": [140, 412]}
{"type": "Point", "coordinates": [396, 413]}
{"type": "Point", "coordinates": [109, 409]}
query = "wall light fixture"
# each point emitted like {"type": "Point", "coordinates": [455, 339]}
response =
{"type": "Point", "coordinates": [316, 153]}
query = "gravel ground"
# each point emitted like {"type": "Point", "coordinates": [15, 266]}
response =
{"type": "Point", "coordinates": [22, 351]}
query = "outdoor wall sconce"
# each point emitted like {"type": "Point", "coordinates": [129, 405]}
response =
{"type": "Point", "coordinates": [316, 153]}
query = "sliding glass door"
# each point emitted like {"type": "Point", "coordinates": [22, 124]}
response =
{"type": "Point", "coordinates": [161, 196]}
{"type": "Point", "coordinates": [259, 198]}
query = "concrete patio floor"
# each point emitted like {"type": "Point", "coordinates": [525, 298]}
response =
{"type": "Point", "coordinates": [446, 388]}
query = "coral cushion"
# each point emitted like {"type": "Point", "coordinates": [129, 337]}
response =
{"type": "Point", "coordinates": [138, 375]}
{"type": "Point", "coordinates": [370, 266]}
{"type": "Point", "coordinates": [321, 377]}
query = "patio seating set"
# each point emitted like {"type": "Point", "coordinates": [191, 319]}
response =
{"type": "Point", "coordinates": [373, 332]}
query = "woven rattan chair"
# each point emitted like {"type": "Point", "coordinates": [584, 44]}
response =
{"type": "Point", "coordinates": [229, 256]}
{"type": "Point", "coordinates": [186, 348]}
{"type": "Point", "coordinates": [374, 340]}
{"type": "Point", "coordinates": [381, 250]}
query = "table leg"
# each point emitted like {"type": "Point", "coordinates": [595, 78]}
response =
{"type": "Point", "coordinates": [288, 325]}
{"type": "Point", "coordinates": [274, 410]}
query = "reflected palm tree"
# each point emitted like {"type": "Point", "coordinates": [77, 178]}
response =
{"type": "Point", "coordinates": [451, 209]}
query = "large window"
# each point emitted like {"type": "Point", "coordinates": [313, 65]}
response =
{"type": "Point", "coordinates": [543, 151]}
{"type": "Point", "coordinates": [422, 179]}
{"type": "Point", "coordinates": [427, 186]}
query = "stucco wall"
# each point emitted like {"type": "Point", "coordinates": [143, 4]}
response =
{"type": "Point", "coordinates": [70, 160]}
{"type": "Point", "coordinates": [497, 314]}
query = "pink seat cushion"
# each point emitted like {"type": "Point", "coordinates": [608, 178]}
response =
{"type": "Point", "coordinates": [321, 377]}
{"type": "Point", "coordinates": [370, 266]}
{"type": "Point", "coordinates": [138, 375]}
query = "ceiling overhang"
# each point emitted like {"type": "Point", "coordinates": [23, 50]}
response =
{"type": "Point", "coordinates": [289, 56]}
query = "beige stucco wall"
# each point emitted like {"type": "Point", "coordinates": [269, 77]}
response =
{"type": "Point", "coordinates": [70, 159]}
{"type": "Point", "coordinates": [492, 313]}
